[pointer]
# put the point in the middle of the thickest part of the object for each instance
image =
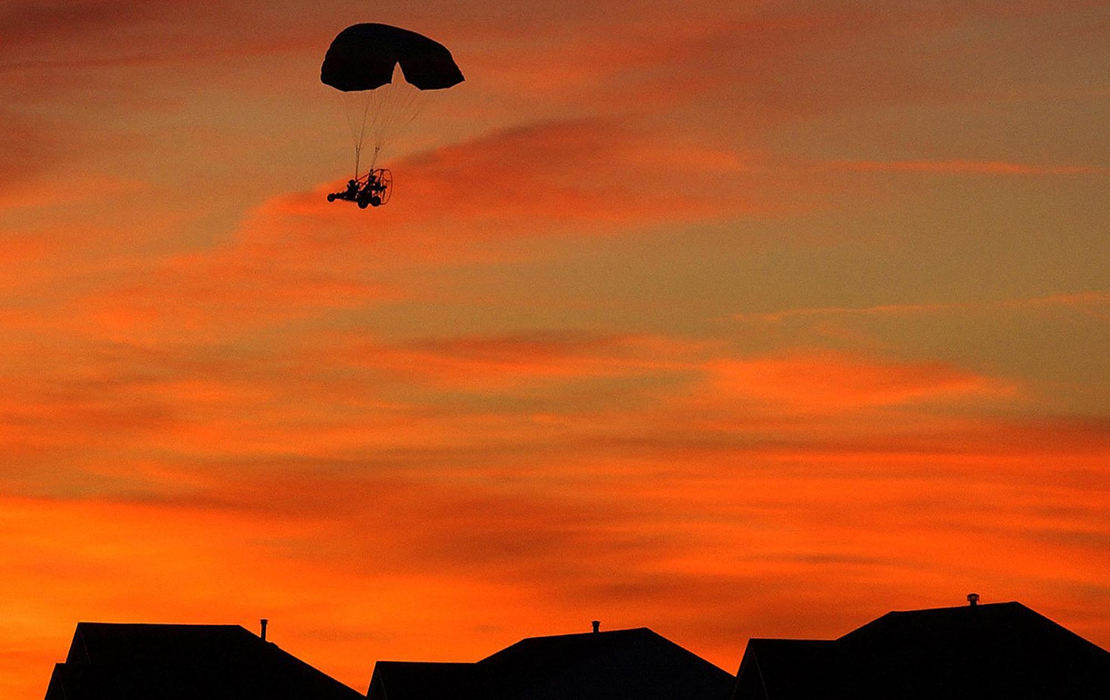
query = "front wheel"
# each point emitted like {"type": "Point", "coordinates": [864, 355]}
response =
{"type": "Point", "coordinates": [362, 203]}
{"type": "Point", "coordinates": [331, 197]}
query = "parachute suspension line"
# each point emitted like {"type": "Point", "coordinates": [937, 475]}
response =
{"type": "Point", "coordinates": [398, 105]}
{"type": "Point", "coordinates": [383, 115]}
{"type": "Point", "coordinates": [358, 133]}
{"type": "Point", "coordinates": [361, 137]}
{"type": "Point", "coordinates": [379, 121]}
{"type": "Point", "coordinates": [375, 117]}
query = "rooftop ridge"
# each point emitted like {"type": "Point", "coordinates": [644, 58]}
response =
{"type": "Point", "coordinates": [978, 606]}
{"type": "Point", "coordinates": [623, 630]}
{"type": "Point", "coordinates": [90, 623]}
{"type": "Point", "coordinates": [981, 611]}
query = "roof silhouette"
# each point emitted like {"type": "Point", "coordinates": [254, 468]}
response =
{"type": "Point", "coordinates": [633, 663]}
{"type": "Point", "coordinates": [1001, 650]}
{"type": "Point", "coordinates": [179, 662]}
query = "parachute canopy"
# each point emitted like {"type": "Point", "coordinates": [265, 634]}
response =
{"type": "Point", "coordinates": [363, 56]}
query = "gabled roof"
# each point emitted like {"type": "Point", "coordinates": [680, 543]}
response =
{"type": "Point", "coordinates": [184, 662]}
{"type": "Point", "coordinates": [634, 664]}
{"type": "Point", "coordinates": [1003, 650]}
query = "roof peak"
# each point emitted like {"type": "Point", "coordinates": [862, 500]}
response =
{"type": "Point", "coordinates": [88, 623]}
{"type": "Point", "coordinates": [977, 606]}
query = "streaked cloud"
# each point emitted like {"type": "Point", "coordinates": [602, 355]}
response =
{"type": "Point", "coordinates": [835, 383]}
{"type": "Point", "coordinates": [578, 177]}
{"type": "Point", "coordinates": [967, 167]}
{"type": "Point", "coordinates": [1092, 301]}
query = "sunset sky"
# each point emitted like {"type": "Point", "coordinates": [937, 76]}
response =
{"type": "Point", "coordinates": [723, 318]}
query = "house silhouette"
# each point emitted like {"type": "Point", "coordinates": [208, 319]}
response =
{"type": "Point", "coordinates": [980, 652]}
{"type": "Point", "coordinates": [184, 662]}
{"type": "Point", "coordinates": [632, 664]}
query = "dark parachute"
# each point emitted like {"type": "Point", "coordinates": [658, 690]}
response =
{"type": "Point", "coordinates": [362, 57]}
{"type": "Point", "coordinates": [363, 63]}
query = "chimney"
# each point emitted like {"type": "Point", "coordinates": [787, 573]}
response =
{"type": "Point", "coordinates": [597, 626]}
{"type": "Point", "coordinates": [264, 622]}
{"type": "Point", "coordinates": [973, 599]}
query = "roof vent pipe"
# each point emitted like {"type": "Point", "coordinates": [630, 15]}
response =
{"type": "Point", "coordinates": [264, 623]}
{"type": "Point", "coordinates": [973, 599]}
{"type": "Point", "coordinates": [597, 626]}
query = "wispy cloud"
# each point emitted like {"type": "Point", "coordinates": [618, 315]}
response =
{"type": "Point", "coordinates": [574, 178]}
{"type": "Point", "coordinates": [1094, 302]}
{"type": "Point", "coordinates": [828, 382]}
{"type": "Point", "coordinates": [483, 363]}
{"type": "Point", "coordinates": [964, 167]}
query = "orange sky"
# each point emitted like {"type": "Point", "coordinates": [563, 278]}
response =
{"type": "Point", "coordinates": [728, 319]}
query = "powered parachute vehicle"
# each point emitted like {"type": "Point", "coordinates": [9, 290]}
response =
{"type": "Point", "coordinates": [384, 74]}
